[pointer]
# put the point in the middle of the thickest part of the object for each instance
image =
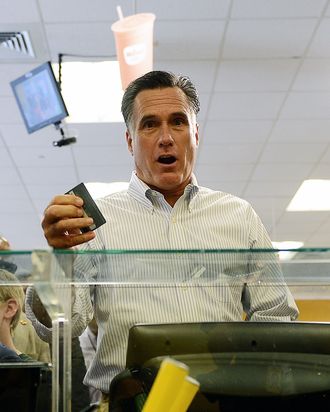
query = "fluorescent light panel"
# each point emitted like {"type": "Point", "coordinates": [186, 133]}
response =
{"type": "Point", "coordinates": [101, 189]}
{"type": "Point", "coordinates": [288, 244]}
{"type": "Point", "coordinates": [312, 195]}
{"type": "Point", "coordinates": [92, 91]}
{"type": "Point", "coordinates": [285, 255]}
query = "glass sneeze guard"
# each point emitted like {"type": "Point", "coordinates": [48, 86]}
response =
{"type": "Point", "coordinates": [173, 279]}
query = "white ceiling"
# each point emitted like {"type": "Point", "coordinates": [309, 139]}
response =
{"type": "Point", "coordinates": [263, 71]}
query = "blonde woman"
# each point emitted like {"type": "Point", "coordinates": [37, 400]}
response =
{"type": "Point", "coordinates": [11, 304]}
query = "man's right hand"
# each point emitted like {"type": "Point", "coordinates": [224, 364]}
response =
{"type": "Point", "coordinates": [63, 219]}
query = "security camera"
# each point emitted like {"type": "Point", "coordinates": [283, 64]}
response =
{"type": "Point", "coordinates": [64, 142]}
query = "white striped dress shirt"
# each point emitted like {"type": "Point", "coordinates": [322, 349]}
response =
{"type": "Point", "coordinates": [176, 287]}
{"type": "Point", "coordinates": [124, 289]}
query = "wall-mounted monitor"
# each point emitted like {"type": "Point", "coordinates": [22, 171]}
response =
{"type": "Point", "coordinates": [39, 98]}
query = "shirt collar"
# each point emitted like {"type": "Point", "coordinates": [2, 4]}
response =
{"type": "Point", "coordinates": [143, 193]}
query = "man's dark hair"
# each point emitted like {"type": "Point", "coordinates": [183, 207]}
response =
{"type": "Point", "coordinates": [157, 80]}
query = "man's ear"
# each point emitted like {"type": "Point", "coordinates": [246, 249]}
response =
{"type": "Point", "coordinates": [12, 307]}
{"type": "Point", "coordinates": [197, 135]}
{"type": "Point", "coordinates": [129, 141]}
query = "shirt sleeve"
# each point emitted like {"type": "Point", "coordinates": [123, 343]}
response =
{"type": "Point", "coordinates": [266, 296]}
{"type": "Point", "coordinates": [42, 331]}
{"type": "Point", "coordinates": [82, 312]}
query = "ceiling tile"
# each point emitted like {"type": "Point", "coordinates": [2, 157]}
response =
{"type": "Point", "coordinates": [42, 157]}
{"type": "Point", "coordinates": [313, 76]}
{"type": "Point", "coordinates": [82, 10]}
{"type": "Point", "coordinates": [205, 36]}
{"type": "Point", "coordinates": [204, 99]}
{"type": "Point", "coordinates": [5, 159]}
{"type": "Point", "coordinates": [188, 10]}
{"type": "Point", "coordinates": [326, 155]}
{"type": "Point", "coordinates": [281, 171]}
{"type": "Point", "coordinates": [30, 231]}
{"type": "Point", "coordinates": [269, 205]}
{"type": "Point", "coordinates": [290, 234]}
{"type": "Point", "coordinates": [200, 72]}
{"type": "Point", "coordinates": [236, 131]}
{"type": "Point", "coordinates": [290, 152]}
{"type": "Point", "coordinates": [303, 218]}
{"type": "Point", "coordinates": [229, 153]}
{"type": "Point", "coordinates": [223, 171]}
{"type": "Point", "coordinates": [98, 134]}
{"type": "Point", "coordinates": [49, 175]}
{"type": "Point", "coordinates": [13, 208]}
{"type": "Point", "coordinates": [15, 135]}
{"type": "Point", "coordinates": [268, 38]}
{"type": "Point", "coordinates": [19, 11]}
{"type": "Point", "coordinates": [255, 75]}
{"type": "Point", "coordinates": [87, 134]}
{"type": "Point", "coordinates": [318, 240]}
{"type": "Point", "coordinates": [9, 176]}
{"type": "Point", "coordinates": [46, 192]}
{"type": "Point", "coordinates": [110, 156]}
{"type": "Point", "coordinates": [105, 173]}
{"type": "Point", "coordinates": [280, 188]}
{"type": "Point", "coordinates": [320, 46]}
{"type": "Point", "coordinates": [277, 8]}
{"type": "Point", "coordinates": [321, 171]}
{"type": "Point", "coordinates": [287, 235]}
{"type": "Point", "coordinates": [9, 112]}
{"type": "Point", "coordinates": [233, 187]}
{"type": "Point", "coordinates": [89, 39]}
{"type": "Point", "coordinates": [325, 226]}
{"type": "Point", "coordinates": [12, 191]}
{"type": "Point", "coordinates": [244, 106]}
{"type": "Point", "coordinates": [302, 130]}
{"type": "Point", "coordinates": [42, 203]}
{"type": "Point", "coordinates": [297, 228]}
{"type": "Point", "coordinates": [306, 106]}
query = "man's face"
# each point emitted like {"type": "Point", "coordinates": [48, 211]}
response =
{"type": "Point", "coordinates": [163, 139]}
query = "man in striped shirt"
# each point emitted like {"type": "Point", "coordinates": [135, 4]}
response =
{"type": "Point", "coordinates": [164, 208]}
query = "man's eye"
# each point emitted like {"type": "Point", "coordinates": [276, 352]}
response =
{"type": "Point", "coordinates": [178, 121]}
{"type": "Point", "coordinates": [149, 124]}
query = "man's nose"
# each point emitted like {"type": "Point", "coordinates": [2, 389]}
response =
{"type": "Point", "coordinates": [165, 137]}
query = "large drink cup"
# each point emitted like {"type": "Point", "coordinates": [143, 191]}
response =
{"type": "Point", "coordinates": [134, 44]}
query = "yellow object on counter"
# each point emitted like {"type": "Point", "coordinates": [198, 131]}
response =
{"type": "Point", "coordinates": [166, 387]}
{"type": "Point", "coordinates": [185, 396]}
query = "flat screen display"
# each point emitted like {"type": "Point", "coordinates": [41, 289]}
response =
{"type": "Point", "coordinates": [39, 98]}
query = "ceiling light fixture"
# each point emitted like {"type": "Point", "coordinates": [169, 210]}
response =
{"type": "Point", "coordinates": [92, 91]}
{"type": "Point", "coordinates": [285, 248]}
{"type": "Point", "coordinates": [312, 195]}
{"type": "Point", "coordinates": [102, 189]}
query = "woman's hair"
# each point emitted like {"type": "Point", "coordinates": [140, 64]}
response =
{"type": "Point", "coordinates": [4, 244]}
{"type": "Point", "coordinates": [157, 80]}
{"type": "Point", "coordinates": [10, 288]}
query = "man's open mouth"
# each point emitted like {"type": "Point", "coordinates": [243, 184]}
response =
{"type": "Point", "coordinates": [166, 159]}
